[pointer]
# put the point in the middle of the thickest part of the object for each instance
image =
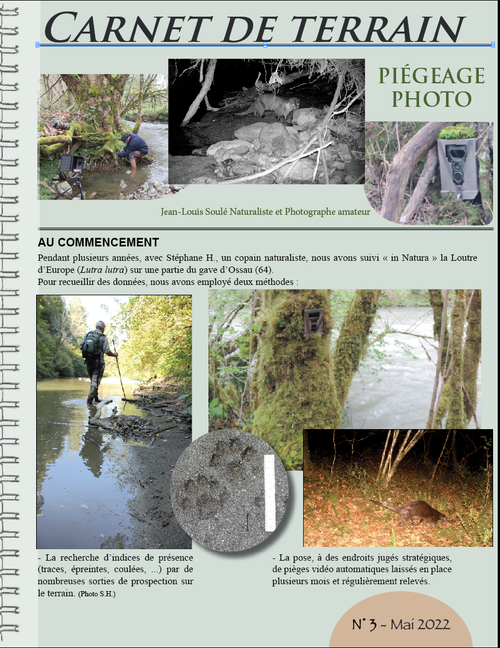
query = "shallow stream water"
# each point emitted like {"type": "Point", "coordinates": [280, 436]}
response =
{"type": "Point", "coordinates": [85, 478]}
{"type": "Point", "coordinates": [115, 186]}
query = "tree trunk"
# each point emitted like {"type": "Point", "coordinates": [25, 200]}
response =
{"type": "Point", "coordinates": [454, 455]}
{"type": "Point", "coordinates": [456, 416]}
{"type": "Point", "coordinates": [99, 97]}
{"type": "Point", "coordinates": [138, 121]}
{"type": "Point", "coordinates": [441, 333]}
{"type": "Point", "coordinates": [207, 84]}
{"type": "Point", "coordinates": [485, 143]}
{"type": "Point", "coordinates": [53, 144]}
{"type": "Point", "coordinates": [441, 455]}
{"type": "Point", "coordinates": [421, 188]}
{"type": "Point", "coordinates": [293, 383]}
{"type": "Point", "coordinates": [436, 302]}
{"type": "Point", "coordinates": [60, 323]}
{"type": "Point", "coordinates": [353, 340]}
{"type": "Point", "coordinates": [254, 341]}
{"type": "Point", "coordinates": [472, 353]}
{"type": "Point", "coordinates": [389, 464]}
{"type": "Point", "coordinates": [403, 164]}
{"type": "Point", "coordinates": [308, 465]}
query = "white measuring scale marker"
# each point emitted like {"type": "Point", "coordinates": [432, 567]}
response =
{"type": "Point", "coordinates": [269, 493]}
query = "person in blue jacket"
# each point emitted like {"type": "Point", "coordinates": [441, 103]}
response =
{"type": "Point", "coordinates": [135, 149]}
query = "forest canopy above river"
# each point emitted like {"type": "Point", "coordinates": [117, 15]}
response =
{"type": "Point", "coordinates": [153, 336]}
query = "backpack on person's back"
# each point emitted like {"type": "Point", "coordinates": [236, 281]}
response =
{"type": "Point", "coordinates": [91, 347]}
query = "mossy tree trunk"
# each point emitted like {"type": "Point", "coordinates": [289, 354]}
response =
{"type": "Point", "coordinates": [299, 384]}
{"type": "Point", "coordinates": [472, 352]}
{"type": "Point", "coordinates": [439, 306]}
{"type": "Point", "coordinates": [99, 97]}
{"type": "Point", "coordinates": [53, 144]}
{"type": "Point", "coordinates": [459, 394]}
{"type": "Point", "coordinates": [254, 340]}
{"type": "Point", "coordinates": [294, 381]}
{"type": "Point", "coordinates": [353, 340]}
{"type": "Point", "coordinates": [456, 415]}
{"type": "Point", "coordinates": [436, 302]}
{"type": "Point", "coordinates": [485, 145]}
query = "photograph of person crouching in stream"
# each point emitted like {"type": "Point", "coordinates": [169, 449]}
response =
{"type": "Point", "coordinates": [109, 142]}
{"type": "Point", "coordinates": [111, 425]}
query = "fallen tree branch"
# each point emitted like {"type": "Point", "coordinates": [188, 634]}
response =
{"type": "Point", "coordinates": [322, 127]}
{"type": "Point", "coordinates": [402, 166]}
{"type": "Point", "coordinates": [421, 188]}
{"type": "Point", "coordinates": [261, 174]}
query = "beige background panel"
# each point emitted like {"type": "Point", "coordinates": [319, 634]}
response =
{"type": "Point", "coordinates": [401, 619]}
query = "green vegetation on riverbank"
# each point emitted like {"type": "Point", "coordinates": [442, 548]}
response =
{"type": "Point", "coordinates": [153, 334]}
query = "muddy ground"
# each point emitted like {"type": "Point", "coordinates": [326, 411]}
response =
{"type": "Point", "coordinates": [163, 435]}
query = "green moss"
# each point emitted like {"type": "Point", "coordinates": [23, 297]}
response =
{"type": "Point", "coordinates": [450, 210]}
{"type": "Point", "coordinates": [472, 352]}
{"type": "Point", "coordinates": [45, 194]}
{"type": "Point", "coordinates": [353, 339]}
{"type": "Point", "coordinates": [458, 131]}
{"type": "Point", "coordinates": [436, 302]}
{"type": "Point", "coordinates": [110, 144]}
{"type": "Point", "coordinates": [49, 150]}
{"type": "Point", "coordinates": [294, 381]}
{"type": "Point", "coordinates": [456, 417]}
{"type": "Point", "coordinates": [48, 169]}
{"type": "Point", "coordinates": [444, 406]}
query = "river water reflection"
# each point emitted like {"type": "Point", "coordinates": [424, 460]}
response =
{"type": "Point", "coordinates": [84, 477]}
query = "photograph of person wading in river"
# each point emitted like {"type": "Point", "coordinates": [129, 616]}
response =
{"type": "Point", "coordinates": [93, 346]}
{"type": "Point", "coordinates": [135, 150]}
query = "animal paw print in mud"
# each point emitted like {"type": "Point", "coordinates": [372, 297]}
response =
{"type": "Point", "coordinates": [206, 494]}
{"type": "Point", "coordinates": [233, 456]}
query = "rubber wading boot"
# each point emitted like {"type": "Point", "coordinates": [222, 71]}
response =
{"type": "Point", "coordinates": [96, 397]}
{"type": "Point", "coordinates": [92, 395]}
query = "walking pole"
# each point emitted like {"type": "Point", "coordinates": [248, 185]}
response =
{"type": "Point", "coordinates": [119, 373]}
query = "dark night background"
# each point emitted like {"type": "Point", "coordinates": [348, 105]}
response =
{"type": "Point", "coordinates": [464, 448]}
{"type": "Point", "coordinates": [230, 78]}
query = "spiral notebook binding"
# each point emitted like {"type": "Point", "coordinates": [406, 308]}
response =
{"type": "Point", "coordinates": [9, 312]}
